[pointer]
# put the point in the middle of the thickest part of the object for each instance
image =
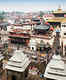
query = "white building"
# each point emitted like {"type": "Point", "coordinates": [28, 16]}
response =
{"type": "Point", "coordinates": [63, 37]}
{"type": "Point", "coordinates": [17, 66]}
{"type": "Point", "coordinates": [56, 69]}
{"type": "Point", "coordinates": [33, 44]}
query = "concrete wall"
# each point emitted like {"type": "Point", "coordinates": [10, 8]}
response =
{"type": "Point", "coordinates": [63, 36]}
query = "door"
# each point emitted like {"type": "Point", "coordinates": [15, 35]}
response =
{"type": "Point", "coordinates": [65, 50]}
{"type": "Point", "coordinates": [14, 77]}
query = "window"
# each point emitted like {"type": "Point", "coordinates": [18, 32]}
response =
{"type": "Point", "coordinates": [32, 48]}
{"type": "Point", "coordinates": [63, 25]}
{"type": "Point", "coordinates": [64, 33]}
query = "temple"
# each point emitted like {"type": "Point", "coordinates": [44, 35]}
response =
{"type": "Point", "coordinates": [17, 66]}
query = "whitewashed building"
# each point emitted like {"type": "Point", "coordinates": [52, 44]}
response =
{"type": "Point", "coordinates": [56, 69]}
{"type": "Point", "coordinates": [33, 44]}
{"type": "Point", "coordinates": [17, 66]}
{"type": "Point", "coordinates": [63, 38]}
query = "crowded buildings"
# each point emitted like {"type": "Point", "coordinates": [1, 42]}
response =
{"type": "Point", "coordinates": [31, 45]}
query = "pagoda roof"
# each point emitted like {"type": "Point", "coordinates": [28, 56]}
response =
{"type": "Point", "coordinates": [58, 11]}
{"type": "Point", "coordinates": [20, 31]}
{"type": "Point", "coordinates": [42, 27]}
{"type": "Point", "coordinates": [36, 19]}
{"type": "Point", "coordinates": [58, 19]}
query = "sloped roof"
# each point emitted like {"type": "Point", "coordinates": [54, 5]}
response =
{"type": "Point", "coordinates": [42, 27]}
{"type": "Point", "coordinates": [18, 62]}
{"type": "Point", "coordinates": [59, 11]}
{"type": "Point", "coordinates": [58, 19]}
{"type": "Point", "coordinates": [4, 23]}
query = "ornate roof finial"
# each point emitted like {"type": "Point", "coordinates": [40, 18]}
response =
{"type": "Point", "coordinates": [59, 8]}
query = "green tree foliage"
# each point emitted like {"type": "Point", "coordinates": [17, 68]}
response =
{"type": "Point", "coordinates": [2, 15]}
{"type": "Point", "coordinates": [41, 13]}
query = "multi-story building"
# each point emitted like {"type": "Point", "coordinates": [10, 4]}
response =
{"type": "Point", "coordinates": [19, 36]}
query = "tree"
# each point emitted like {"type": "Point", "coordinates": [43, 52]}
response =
{"type": "Point", "coordinates": [41, 13]}
{"type": "Point", "coordinates": [2, 16]}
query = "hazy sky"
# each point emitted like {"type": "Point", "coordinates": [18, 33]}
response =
{"type": "Point", "coordinates": [31, 5]}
